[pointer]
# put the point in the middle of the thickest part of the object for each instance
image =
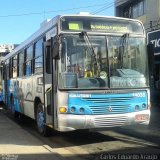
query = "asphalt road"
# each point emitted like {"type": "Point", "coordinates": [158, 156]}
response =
{"type": "Point", "coordinates": [20, 140]}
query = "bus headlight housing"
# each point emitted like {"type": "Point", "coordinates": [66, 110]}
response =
{"type": "Point", "coordinates": [81, 110]}
{"type": "Point", "coordinates": [144, 106]}
{"type": "Point", "coordinates": [136, 107]}
{"type": "Point", "coordinates": [73, 109]}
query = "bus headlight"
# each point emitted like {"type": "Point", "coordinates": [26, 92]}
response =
{"type": "Point", "coordinates": [73, 109]}
{"type": "Point", "coordinates": [136, 107]}
{"type": "Point", "coordinates": [144, 106]}
{"type": "Point", "coordinates": [63, 109]}
{"type": "Point", "coordinates": [81, 110]}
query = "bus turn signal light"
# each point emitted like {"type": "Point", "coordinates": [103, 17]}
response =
{"type": "Point", "coordinates": [63, 109]}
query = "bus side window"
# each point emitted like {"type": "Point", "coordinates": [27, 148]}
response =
{"type": "Point", "coordinates": [28, 60]}
{"type": "Point", "coordinates": [4, 71]}
{"type": "Point", "coordinates": [7, 71]}
{"type": "Point", "coordinates": [10, 68]}
{"type": "Point", "coordinates": [14, 67]}
{"type": "Point", "coordinates": [38, 59]}
{"type": "Point", "coordinates": [3, 68]}
{"type": "Point", "coordinates": [21, 64]}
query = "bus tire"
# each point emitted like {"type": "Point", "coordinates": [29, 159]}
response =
{"type": "Point", "coordinates": [16, 114]}
{"type": "Point", "coordinates": [40, 120]}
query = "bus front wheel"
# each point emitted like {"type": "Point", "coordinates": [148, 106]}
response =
{"type": "Point", "coordinates": [40, 120]}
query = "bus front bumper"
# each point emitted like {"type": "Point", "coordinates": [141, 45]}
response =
{"type": "Point", "coordinates": [69, 122]}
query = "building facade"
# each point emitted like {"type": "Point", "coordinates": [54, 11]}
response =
{"type": "Point", "coordinates": [5, 49]}
{"type": "Point", "coordinates": [148, 12]}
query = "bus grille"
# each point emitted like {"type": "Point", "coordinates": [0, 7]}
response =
{"type": "Point", "coordinates": [109, 105]}
{"type": "Point", "coordinates": [110, 109]}
{"type": "Point", "coordinates": [109, 121]}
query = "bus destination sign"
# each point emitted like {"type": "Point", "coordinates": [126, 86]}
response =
{"type": "Point", "coordinates": [108, 27]}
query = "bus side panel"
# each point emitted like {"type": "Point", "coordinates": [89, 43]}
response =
{"type": "Point", "coordinates": [12, 95]}
{"type": "Point", "coordinates": [27, 89]}
{"type": "Point", "coordinates": [18, 96]}
{"type": "Point", "coordinates": [37, 90]}
{"type": "Point", "coordinates": [7, 94]}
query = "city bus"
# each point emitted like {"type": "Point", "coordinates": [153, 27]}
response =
{"type": "Point", "coordinates": [80, 72]}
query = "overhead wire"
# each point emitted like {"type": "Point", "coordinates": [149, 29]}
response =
{"type": "Point", "coordinates": [102, 8]}
{"type": "Point", "coordinates": [107, 7]}
{"type": "Point", "coordinates": [47, 12]}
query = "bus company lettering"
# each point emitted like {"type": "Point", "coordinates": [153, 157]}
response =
{"type": "Point", "coordinates": [112, 91]}
{"type": "Point", "coordinates": [139, 94]}
{"type": "Point", "coordinates": [80, 95]}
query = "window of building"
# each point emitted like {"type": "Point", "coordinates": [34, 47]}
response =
{"type": "Point", "coordinates": [134, 10]}
{"type": "Point", "coordinates": [140, 8]}
{"type": "Point", "coordinates": [38, 58]}
{"type": "Point", "coordinates": [20, 63]}
{"type": "Point", "coordinates": [28, 60]}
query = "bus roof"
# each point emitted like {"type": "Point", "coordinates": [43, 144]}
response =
{"type": "Point", "coordinates": [48, 25]}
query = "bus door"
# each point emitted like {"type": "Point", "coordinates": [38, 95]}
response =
{"type": "Point", "coordinates": [48, 84]}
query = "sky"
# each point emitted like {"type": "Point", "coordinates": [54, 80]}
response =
{"type": "Point", "coordinates": [21, 18]}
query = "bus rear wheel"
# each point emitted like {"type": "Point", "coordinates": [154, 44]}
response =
{"type": "Point", "coordinates": [40, 120]}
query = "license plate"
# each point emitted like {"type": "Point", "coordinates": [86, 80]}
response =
{"type": "Point", "coordinates": [142, 117]}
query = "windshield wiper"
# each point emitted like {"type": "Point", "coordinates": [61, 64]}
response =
{"type": "Point", "coordinates": [86, 38]}
{"type": "Point", "coordinates": [124, 45]}
{"type": "Point", "coordinates": [124, 39]}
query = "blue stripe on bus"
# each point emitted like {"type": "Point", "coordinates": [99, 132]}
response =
{"type": "Point", "coordinates": [107, 103]}
{"type": "Point", "coordinates": [11, 89]}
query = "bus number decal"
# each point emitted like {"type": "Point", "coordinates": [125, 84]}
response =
{"type": "Point", "coordinates": [139, 94]}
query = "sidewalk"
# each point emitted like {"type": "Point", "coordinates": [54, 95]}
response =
{"type": "Point", "coordinates": [18, 144]}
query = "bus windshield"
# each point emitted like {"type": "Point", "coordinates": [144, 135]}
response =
{"type": "Point", "coordinates": [96, 62]}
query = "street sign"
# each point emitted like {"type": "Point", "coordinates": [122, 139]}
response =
{"type": "Point", "coordinates": [154, 38]}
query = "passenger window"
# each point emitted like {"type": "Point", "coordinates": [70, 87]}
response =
{"type": "Point", "coordinates": [21, 64]}
{"type": "Point", "coordinates": [10, 68]}
{"type": "Point", "coordinates": [14, 67]}
{"type": "Point", "coordinates": [28, 61]}
{"type": "Point", "coordinates": [38, 58]}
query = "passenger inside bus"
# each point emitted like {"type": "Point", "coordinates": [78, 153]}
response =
{"type": "Point", "coordinates": [87, 72]}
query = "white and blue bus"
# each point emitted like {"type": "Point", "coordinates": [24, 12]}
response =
{"type": "Point", "coordinates": [80, 72]}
